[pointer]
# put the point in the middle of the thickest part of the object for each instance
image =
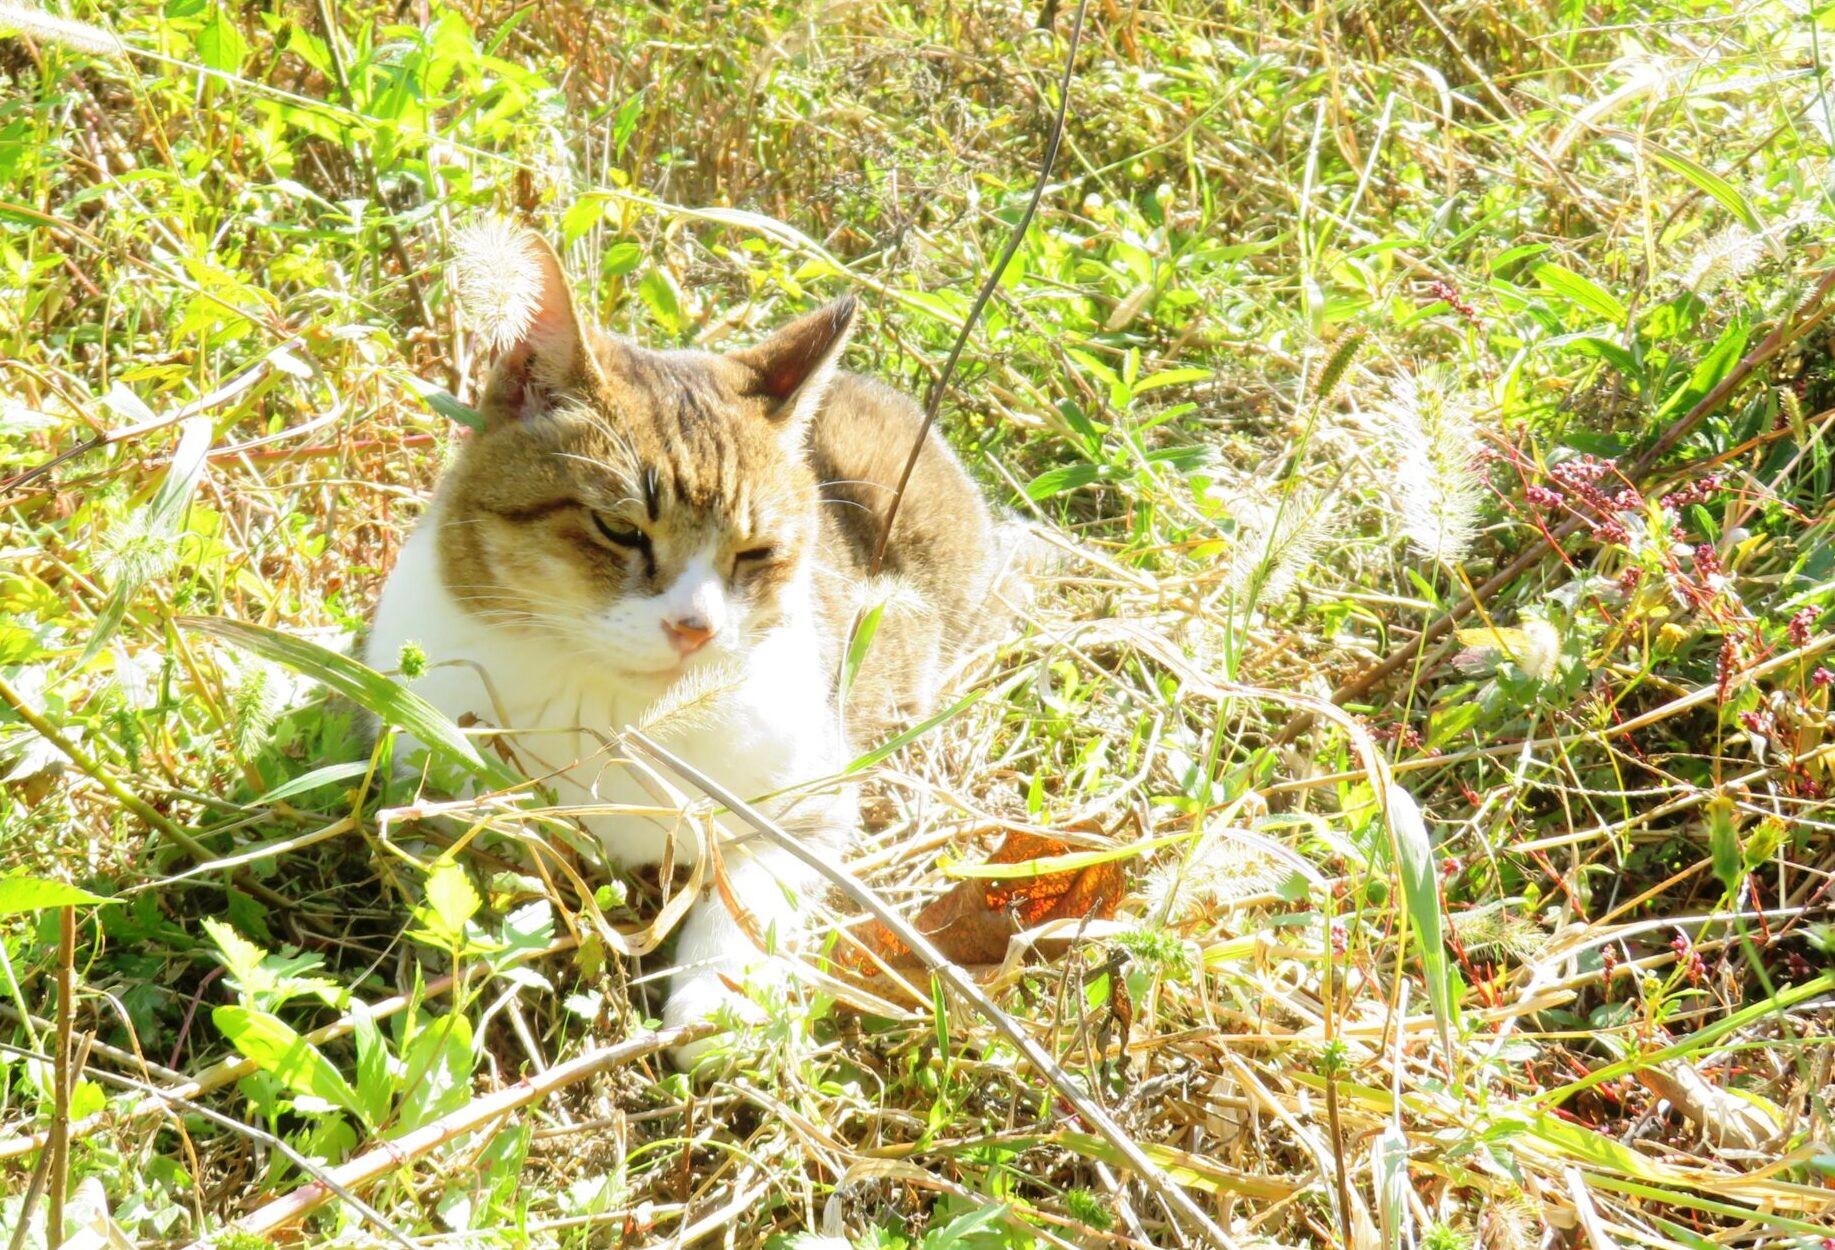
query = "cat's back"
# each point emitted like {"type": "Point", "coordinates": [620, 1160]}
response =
{"type": "Point", "coordinates": [948, 550]}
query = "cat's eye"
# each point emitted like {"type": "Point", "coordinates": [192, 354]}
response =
{"type": "Point", "coordinates": [755, 554]}
{"type": "Point", "coordinates": [621, 535]}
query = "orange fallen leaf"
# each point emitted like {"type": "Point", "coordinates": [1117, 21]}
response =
{"type": "Point", "coordinates": [971, 923]}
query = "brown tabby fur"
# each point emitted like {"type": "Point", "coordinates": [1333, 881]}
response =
{"type": "Point", "coordinates": [692, 447]}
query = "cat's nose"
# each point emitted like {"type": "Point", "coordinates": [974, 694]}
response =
{"type": "Point", "coordinates": [688, 634]}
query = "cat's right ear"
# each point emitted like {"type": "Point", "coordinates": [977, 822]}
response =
{"type": "Point", "coordinates": [514, 288]}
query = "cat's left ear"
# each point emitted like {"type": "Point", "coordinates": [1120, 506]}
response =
{"type": "Point", "coordinates": [793, 367]}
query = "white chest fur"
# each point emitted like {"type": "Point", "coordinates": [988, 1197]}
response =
{"type": "Point", "coordinates": [759, 729]}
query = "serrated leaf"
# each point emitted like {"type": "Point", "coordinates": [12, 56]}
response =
{"type": "Point", "coordinates": [29, 894]}
{"type": "Point", "coordinates": [240, 956]}
{"type": "Point", "coordinates": [660, 294]}
{"type": "Point", "coordinates": [439, 1063]}
{"type": "Point", "coordinates": [375, 1085]}
{"type": "Point", "coordinates": [273, 1045]}
{"type": "Point", "coordinates": [221, 45]}
{"type": "Point", "coordinates": [451, 896]}
{"type": "Point", "coordinates": [394, 704]}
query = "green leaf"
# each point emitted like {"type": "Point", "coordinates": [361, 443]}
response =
{"type": "Point", "coordinates": [1421, 899]}
{"type": "Point", "coordinates": [1699, 1040]}
{"type": "Point", "coordinates": [1723, 845]}
{"type": "Point", "coordinates": [439, 1064]}
{"type": "Point", "coordinates": [1065, 477]}
{"type": "Point", "coordinates": [240, 956]}
{"type": "Point", "coordinates": [451, 896]}
{"type": "Point", "coordinates": [858, 645]}
{"type": "Point", "coordinates": [375, 1084]}
{"type": "Point", "coordinates": [362, 685]}
{"type": "Point", "coordinates": [443, 403]}
{"type": "Point", "coordinates": [1714, 366]}
{"type": "Point", "coordinates": [25, 894]}
{"type": "Point", "coordinates": [620, 259]}
{"type": "Point", "coordinates": [663, 298]}
{"type": "Point", "coordinates": [1582, 291]}
{"type": "Point", "coordinates": [330, 774]}
{"type": "Point", "coordinates": [1169, 377]}
{"type": "Point", "coordinates": [1710, 182]}
{"type": "Point", "coordinates": [220, 44]}
{"type": "Point", "coordinates": [286, 1056]}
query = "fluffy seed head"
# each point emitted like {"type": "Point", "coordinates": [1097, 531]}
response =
{"type": "Point", "coordinates": [1725, 257]}
{"type": "Point", "coordinates": [1276, 542]}
{"type": "Point", "coordinates": [1438, 491]}
{"type": "Point", "coordinates": [35, 23]}
{"type": "Point", "coordinates": [498, 276]}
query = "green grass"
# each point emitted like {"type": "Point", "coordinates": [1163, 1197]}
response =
{"type": "Point", "coordinates": [1428, 396]}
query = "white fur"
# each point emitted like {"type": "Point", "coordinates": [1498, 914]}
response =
{"type": "Point", "coordinates": [769, 727]}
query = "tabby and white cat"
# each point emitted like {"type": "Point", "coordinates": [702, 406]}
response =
{"type": "Point", "coordinates": [633, 524]}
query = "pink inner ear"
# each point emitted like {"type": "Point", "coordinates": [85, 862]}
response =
{"type": "Point", "coordinates": [786, 361]}
{"type": "Point", "coordinates": [782, 377]}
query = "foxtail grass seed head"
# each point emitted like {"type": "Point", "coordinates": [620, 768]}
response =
{"type": "Point", "coordinates": [498, 276]}
{"type": "Point", "coordinates": [1219, 871]}
{"type": "Point", "coordinates": [1276, 542]}
{"type": "Point", "coordinates": [34, 23]}
{"type": "Point", "coordinates": [1336, 365]}
{"type": "Point", "coordinates": [1439, 493]}
{"type": "Point", "coordinates": [1724, 257]}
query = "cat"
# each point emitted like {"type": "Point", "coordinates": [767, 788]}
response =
{"type": "Point", "coordinates": [632, 527]}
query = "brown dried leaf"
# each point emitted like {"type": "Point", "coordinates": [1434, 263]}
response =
{"type": "Point", "coordinates": [972, 923]}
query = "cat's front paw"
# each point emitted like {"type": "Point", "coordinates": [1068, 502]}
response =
{"type": "Point", "coordinates": [700, 997]}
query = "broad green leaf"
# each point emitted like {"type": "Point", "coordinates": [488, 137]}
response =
{"type": "Point", "coordinates": [1065, 477]}
{"type": "Point", "coordinates": [375, 1084]}
{"type": "Point", "coordinates": [1582, 291]}
{"type": "Point", "coordinates": [451, 896]}
{"type": "Point", "coordinates": [24, 894]}
{"type": "Point", "coordinates": [620, 259]}
{"type": "Point", "coordinates": [278, 1050]}
{"type": "Point", "coordinates": [1723, 845]}
{"type": "Point", "coordinates": [1169, 377]}
{"type": "Point", "coordinates": [1714, 366]}
{"type": "Point", "coordinates": [362, 685]}
{"type": "Point", "coordinates": [1421, 898]}
{"type": "Point", "coordinates": [439, 1064]}
{"type": "Point", "coordinates": [660, 294]}
{"type": "Point", "coordinates": [220, 44]}
{"type": "Point", "coordinates": [1710, 182]}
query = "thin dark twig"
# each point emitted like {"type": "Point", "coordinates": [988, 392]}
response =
{"type": "Point", "coordinates": [934, 401]}
{"type": "Point", "coordinates": [298, 1160]}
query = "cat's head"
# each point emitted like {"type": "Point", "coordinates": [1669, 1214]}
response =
{"type": "Point", "coordinates": [643, 511]}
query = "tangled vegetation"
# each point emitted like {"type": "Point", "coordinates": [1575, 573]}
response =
{"type": "Point", "coordinates": [1430, 407]}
